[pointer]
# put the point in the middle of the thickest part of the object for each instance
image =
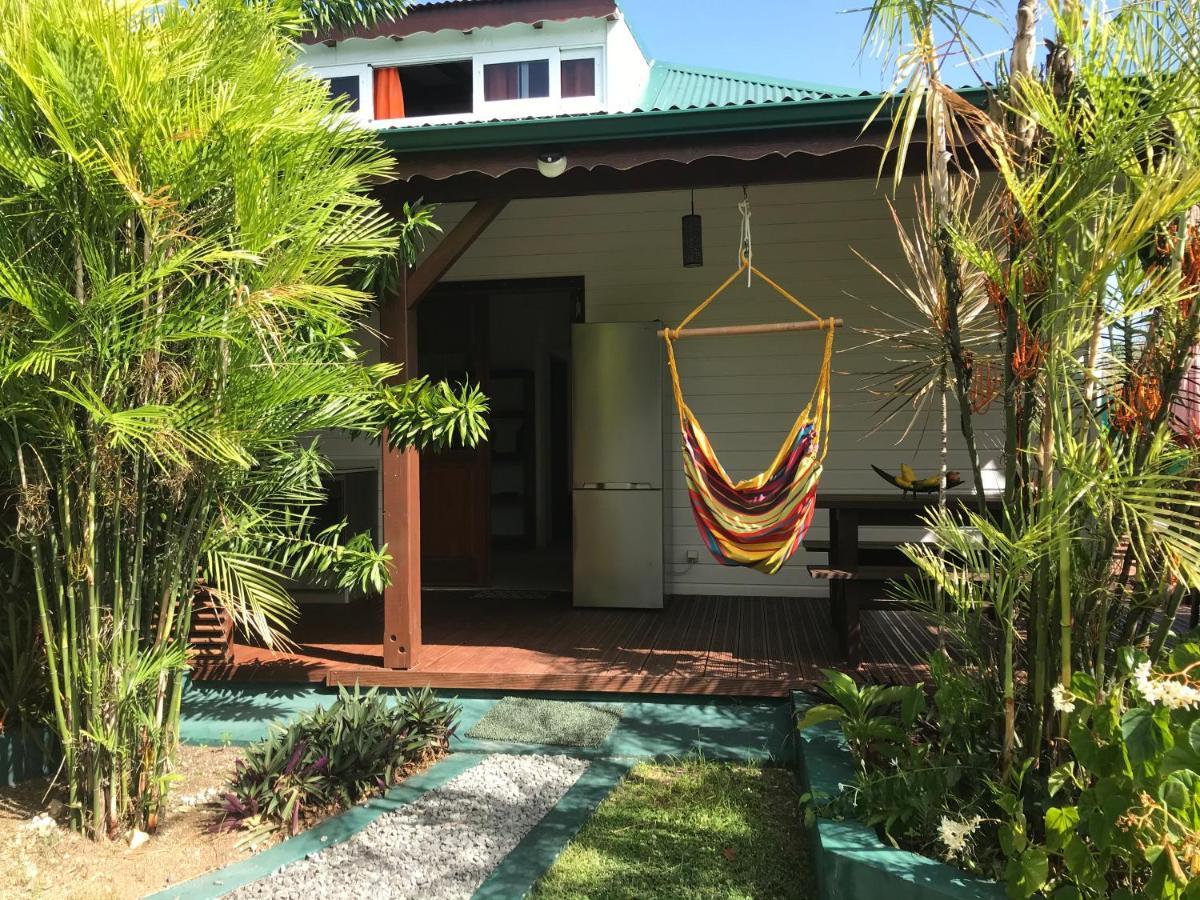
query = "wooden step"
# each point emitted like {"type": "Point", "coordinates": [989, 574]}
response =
{"type": "Point", "coordinates": [210, 634]}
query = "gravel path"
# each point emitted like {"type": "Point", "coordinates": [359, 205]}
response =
{"type": "Point", "coordinates": [442, 845]}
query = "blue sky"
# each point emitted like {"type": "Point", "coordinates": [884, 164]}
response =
{"type": "Point", "coordinates": [809, 40]}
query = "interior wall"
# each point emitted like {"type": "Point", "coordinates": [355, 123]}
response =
{"type": "Point", "coordinates": [526, 331]}
{"type": "Point", "coordinates": [746, 391]}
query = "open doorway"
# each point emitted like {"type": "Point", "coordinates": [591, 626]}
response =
{"type": "Point", "coordinates": [499, 517]}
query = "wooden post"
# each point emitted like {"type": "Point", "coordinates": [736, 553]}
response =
{"type": "Point", "coordinates": [450, 248]}
{"type": "Point", "coordinates": [401, 473]}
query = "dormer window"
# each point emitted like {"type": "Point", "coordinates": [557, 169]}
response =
{"type": "Point", "coordinates": [533, 82]}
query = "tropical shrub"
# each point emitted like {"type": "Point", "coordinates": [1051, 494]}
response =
{"type": "Point", "coordinates": [188, 248]}
{"type": "Point", "coordinates": [1117, 816]}
{"type": "Point", "coordinates": [333, 758]}
{"type": "Point", "coordinates": [1061, 290]}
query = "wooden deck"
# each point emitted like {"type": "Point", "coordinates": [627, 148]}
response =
{"type": "Point", "coordinates": [750, 646]}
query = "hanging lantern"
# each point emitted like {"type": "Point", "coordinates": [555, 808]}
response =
{"type": "Point", "coordinates": [693, 239]}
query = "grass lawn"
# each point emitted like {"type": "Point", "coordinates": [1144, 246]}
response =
{"type": "Point", "coordinates": [693, 829]}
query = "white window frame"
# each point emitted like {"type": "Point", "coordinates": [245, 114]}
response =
{"type": "Point", "coordinates": [366, 87]}
{"type": "Point", "coordinates": [571, 104]}
{"type": "Point", "coordinates": [530, 105]}
{"type": "Point", "coordinates": [482, 109]}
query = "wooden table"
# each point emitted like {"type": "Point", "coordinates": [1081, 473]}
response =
{"type": "Point", "coordinates": [848, 513]}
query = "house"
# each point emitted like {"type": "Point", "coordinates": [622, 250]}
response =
{"type": "Point", "coordinates": [564, 161]}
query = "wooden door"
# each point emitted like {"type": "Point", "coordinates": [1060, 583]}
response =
{"type": "Point", "coordinates": [452, 343]}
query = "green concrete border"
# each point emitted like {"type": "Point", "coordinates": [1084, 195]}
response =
{"type": "Point", "coordinates": [850, 861]}
{"type": "Point", "coordinates": [537, 851]}
{"type": "Point", "coordinates": [327, 834]}
{"type": "Point", "coordinates": [659, 726]}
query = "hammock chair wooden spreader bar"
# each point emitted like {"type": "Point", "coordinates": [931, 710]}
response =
{"type": "Point", "coordinates": [765, 328]}
{"type": "Point", "coordinates": [758, 522]}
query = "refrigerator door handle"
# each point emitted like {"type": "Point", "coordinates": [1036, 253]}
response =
{"type": "Point", "coordinates": [592, 486]}
{"type": "Point", "coordinates": [642, 486]}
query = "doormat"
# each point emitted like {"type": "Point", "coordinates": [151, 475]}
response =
{"type": "Point", "coordinates": [563, 723]}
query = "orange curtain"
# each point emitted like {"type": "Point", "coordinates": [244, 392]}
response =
{"type": "Point", "coordinates": [389, 94]}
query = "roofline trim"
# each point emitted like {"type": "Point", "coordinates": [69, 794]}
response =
{"type": "Point", "coordinates": [460, 16]}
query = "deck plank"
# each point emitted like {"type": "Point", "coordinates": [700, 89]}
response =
{"type": "Point", "coordinates": [746, 646]}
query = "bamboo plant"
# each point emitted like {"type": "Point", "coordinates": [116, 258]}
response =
{"type": "Point", "coordinates": [1059, 750]}
{"type": "Point", "coordinates": [1084, 226]}
{"type": "Point", "coordinates": [186, 246]}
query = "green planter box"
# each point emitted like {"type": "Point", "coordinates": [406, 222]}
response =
{"type": "Point", "coordinates": [850, 861]}
{"type": "Point", "coordinates": [26, 755]}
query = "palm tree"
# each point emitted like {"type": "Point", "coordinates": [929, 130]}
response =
{"type": "Point", "coordinates": [186, 243]}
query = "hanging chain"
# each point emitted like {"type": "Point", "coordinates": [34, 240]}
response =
{"type": "Point", "coordinates": [745, 244]}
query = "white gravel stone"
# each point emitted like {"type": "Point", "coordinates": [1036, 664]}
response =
{"type": "Point", "coordinates": [442, 845]}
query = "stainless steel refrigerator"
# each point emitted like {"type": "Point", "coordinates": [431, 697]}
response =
{"type": "Point", "coordinates": [617, 464]}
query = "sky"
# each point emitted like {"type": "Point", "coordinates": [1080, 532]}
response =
{"type": "Point", "coordinates": [805, 40]}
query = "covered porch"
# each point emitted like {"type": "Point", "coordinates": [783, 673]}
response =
{"type": "Point", "coordinates": [602, 241]}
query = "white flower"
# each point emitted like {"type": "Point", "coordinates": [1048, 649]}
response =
{"type": "Point", "coordinates": [1141, 676]}
{"type": "Point", "coordinates": [1166, 691]}
{"type": "Point", "coordinates": [954, 834]}
{"type": "Point", "coordinates": [1063, 699]}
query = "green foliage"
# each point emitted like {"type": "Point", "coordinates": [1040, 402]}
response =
{"type": "Point", "coordinates": [187, 236]}
{"type": "Point", "coordinates": [916, 761]}
{"type": "Point", "coordinates": [1125, 813]}
{"type": "Point", "coordinates": [1119, 816]}
{"type": "Point", "coordinates": [1065, 289]}
{"type": "Point", "coordinates": [865, 714]}
{"type": "Point", "coordinates": [332, 758]}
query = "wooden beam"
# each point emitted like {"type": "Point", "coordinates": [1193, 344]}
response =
{"type": "Point", "coordinates": [401, 476]}
{"type": "Point", "coordinates": [448, 251]}
{"type": "Point", "coordinates": [768, 328]}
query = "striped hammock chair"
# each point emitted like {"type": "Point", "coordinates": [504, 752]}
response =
{"type": "Point", "coordinates": [761, 521]}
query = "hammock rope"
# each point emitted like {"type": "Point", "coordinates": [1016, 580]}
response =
{"type": "Point", "coordinates": [758, 522]}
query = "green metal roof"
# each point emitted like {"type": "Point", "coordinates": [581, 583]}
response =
{"type": "Point", "coordinates": [825, 111]}
{"type": "Point", "coordinates": [673, 86]}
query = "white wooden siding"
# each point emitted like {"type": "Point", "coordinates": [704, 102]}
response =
{"type": "Point", "coordinates": [746, 391]}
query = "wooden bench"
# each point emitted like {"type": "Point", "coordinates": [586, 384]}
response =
{"type": "Point", "coordinates": [865, 562]}
{"type": "Point", "coordinates": [853, 589]}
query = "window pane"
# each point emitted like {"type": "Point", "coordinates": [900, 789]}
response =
{"type": "Point", "coordinates": [438, 89]}
{"type": "Point", "coordinates": [516, 80]}
{"type": "Point", "coordinates": [578, 77]}
{"type": "Point", "coordinates": [536, 78]}
{"type": "Point", "coordinates": [344, 87]}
